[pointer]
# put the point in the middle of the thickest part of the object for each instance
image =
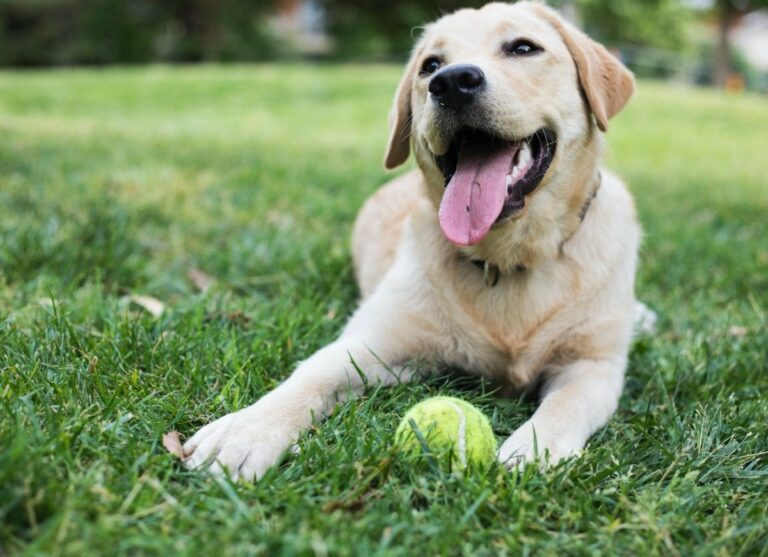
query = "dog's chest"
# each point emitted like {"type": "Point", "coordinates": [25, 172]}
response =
{"type": "Point", "coordinates": [505, 331]}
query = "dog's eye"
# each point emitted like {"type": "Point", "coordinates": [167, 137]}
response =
{"type": "Point", "coordinates": [521, 47]}
{"type": "Point", "coordinates": [430, 65]}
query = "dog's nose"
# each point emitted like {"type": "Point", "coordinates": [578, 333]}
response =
{"type": "Point", "coordinates": [456, 86]}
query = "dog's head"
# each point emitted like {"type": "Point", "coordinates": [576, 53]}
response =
{"type": "Point", "coordinates": [501, 103]}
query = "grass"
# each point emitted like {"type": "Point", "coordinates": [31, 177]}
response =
{"type": "Point", "coordinates": [118, 182]}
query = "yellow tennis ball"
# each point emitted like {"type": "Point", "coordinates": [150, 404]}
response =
{"type": "Point", "coordinates": [449, 429]}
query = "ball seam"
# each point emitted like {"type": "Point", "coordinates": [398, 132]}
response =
{"type": "Point", "coordinates": [462, 433]}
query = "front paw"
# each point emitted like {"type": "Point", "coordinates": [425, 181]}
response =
{"type": "Point", "coordinates": [528, 444]}
{"type": "Point", "coordinates": [244, 444]}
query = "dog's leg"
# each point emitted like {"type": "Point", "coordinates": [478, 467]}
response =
{"type": "Point", "coordinates": [373, 347]}
{"type": "Point", "coordinates": [576, 402]}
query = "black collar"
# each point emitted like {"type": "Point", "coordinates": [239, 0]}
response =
{"type": "Point", "coordinates": [492, 273]}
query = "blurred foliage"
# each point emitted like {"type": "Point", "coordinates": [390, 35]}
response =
{"type": "Point", "coordinates": [658, 23]}
{"type": "Point", "coordinates": [59, 32]}
{"type": "Point", "coordinates": [741, 5]}
{"type": "Point", "coordinates": [382, 28]}
{"type": "Point", "coordinates": [653, 35]}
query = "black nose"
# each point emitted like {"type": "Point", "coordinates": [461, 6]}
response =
{"type": "Point", "coordinates": [456, 86]}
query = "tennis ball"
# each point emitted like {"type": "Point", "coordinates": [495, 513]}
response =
{"type": "Point", "coordinates": [452, 430]}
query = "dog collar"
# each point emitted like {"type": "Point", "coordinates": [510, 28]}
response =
{"type": "Point", "coordinates": [492, 273]}
{"type": "Point", "coordinates": [588, 202]}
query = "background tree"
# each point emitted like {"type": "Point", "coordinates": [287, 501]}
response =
{"type": "Point", "coordinates": [728, 12]}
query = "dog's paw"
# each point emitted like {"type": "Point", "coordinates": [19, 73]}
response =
{"type": "Point", "coordinates": [527, 444]}
{"type": "Point", "coordinates": [244, 444]}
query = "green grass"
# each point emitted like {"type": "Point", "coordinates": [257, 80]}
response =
{"type": "Point", "coordinates": [118, 182]}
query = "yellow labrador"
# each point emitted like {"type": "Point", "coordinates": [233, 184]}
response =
{"type": "Point", "coordinates": [509, 253]}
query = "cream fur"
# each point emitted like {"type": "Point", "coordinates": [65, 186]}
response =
{"type": "Point", "coordinates": [566, 319]}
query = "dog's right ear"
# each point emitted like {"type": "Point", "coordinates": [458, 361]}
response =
{"type": "Point", "coordinates": [400, 117]}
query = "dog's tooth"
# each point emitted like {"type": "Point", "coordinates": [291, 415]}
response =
{"type": "Point", "coordinates": [525, 155]}
{"type": "Point", "coordinates": [509, 178]}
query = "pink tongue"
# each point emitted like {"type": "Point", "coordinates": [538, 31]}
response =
{"type": "Point", "coordinates": [475, 195]}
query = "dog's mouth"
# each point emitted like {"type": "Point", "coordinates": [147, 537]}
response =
{"type": "Point", "coordinates": [487, 179]}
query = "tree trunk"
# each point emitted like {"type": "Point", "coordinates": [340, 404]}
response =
{"type": "Point", "coordinates": [723, 51]}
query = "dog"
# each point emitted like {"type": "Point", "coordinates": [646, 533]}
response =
{"type": "Point", "coordinates": [510, 252]}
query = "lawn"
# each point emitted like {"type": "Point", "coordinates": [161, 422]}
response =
{"type": "Point", "coordinates": [118, 183]}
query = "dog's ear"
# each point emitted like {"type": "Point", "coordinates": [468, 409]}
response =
{"type": "Point", "coordinates": [606, 82]}
{"type": "Point", "coordinates": [400, 116]}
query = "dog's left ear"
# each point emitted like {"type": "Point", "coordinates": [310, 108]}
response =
{"type": "Point", "coordinates": [400, 117]}
{"type": "Point", "coordinates": [606, 82]}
